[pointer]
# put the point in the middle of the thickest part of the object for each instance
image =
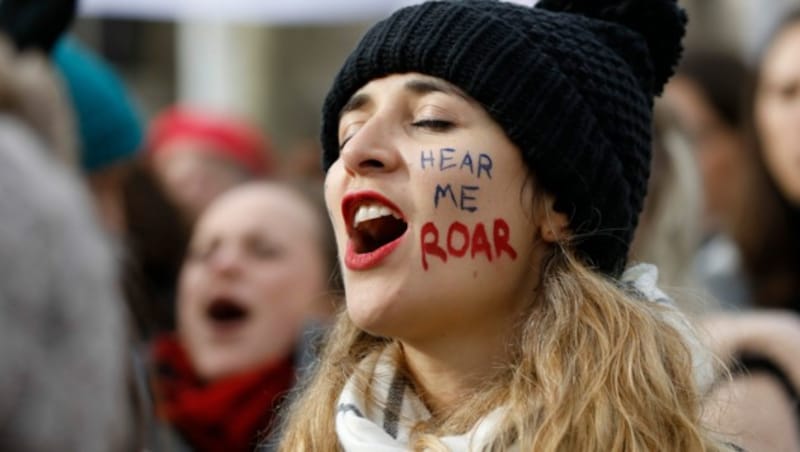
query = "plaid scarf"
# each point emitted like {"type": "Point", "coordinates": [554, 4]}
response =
{"type": "Point", "coordinates": [383, 422]}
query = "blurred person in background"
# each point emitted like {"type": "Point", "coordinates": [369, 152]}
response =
{"type": "Point", "coordinates": [33, 92]}
{"type": "Point", "coordinates": [109, 128]}
{"type": "Point", "coordinates": [156, 238]}
{"type": "Point", "coordinates": [198, 155]}
{"type": "Point", "coordinates": [670, 226]}
{"type": "Point", "coordinates": [63, 331]}
{"type": "Point", "coordinates": [149, 233]}
{"type": "Point", "coordinates": [258, 271]}
{"type": "Point", "coordinates": [706, 95]}
{"type": "Point", "coordinates": [761, 403]}
{"type": "Point", "coordinates": [302, 161]}
{"type": "Point", "coordinates": [767, 229]}
{"type": "Point", "coordinates": [64, 361]}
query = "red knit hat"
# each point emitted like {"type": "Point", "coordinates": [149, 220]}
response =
{"type": "Point", "coordinates": [230, 138]}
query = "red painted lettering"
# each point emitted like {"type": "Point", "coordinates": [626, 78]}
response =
{"type": "Point", "coordinates": [459, 240]}
{"type": "Point", "coordinates": [431, 246]}
{"type": "Point", "coordinates": [461, 229]}
{"type": "Point", "coordinates": [501, 237]}
{"type": "Point", "coordinates": [480, 243]}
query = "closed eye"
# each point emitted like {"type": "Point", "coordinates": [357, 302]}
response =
{"type": "Point", "coordinates": [344, 142]}
{"type": "Point", "coordinates": [436, 125]}
{"type": "Point", "coordinates": [201, 252]}
{"type": "Point", "coordinates": [789, 90]}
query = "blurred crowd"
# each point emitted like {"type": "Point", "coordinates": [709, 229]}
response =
{"type": "Point", "coordinates": [165, 280]}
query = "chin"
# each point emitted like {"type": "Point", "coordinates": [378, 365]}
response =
{"type": "Point", "coordinates": [215, 367]}
{"type": "Point", "coordinates": [377, 317]}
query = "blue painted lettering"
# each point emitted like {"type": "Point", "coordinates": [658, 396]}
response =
{"type": "Point", "coordinates": [467, 161]}
{"type": "Point", "coordinates": [444, 158]}
{"type": "Point", "coordinates": [429, 159]}
{"type": "Point", "coordinates": [465, 197]}
{"type": "Point", "coordinates": [441, 192]}
{"type": "Point", "coordinates": [485, 163]}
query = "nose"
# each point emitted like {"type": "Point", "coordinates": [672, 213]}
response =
{"type": "Point", "coordinates": [373, 149]}
{"type": "Point", "coordinates": [225, 261]}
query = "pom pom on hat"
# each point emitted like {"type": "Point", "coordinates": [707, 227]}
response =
{"type": "Point", "coordinates": [109, 128]}
{"type": "Point", "coordinates": [660, 22]}
{"type": "Point", "coordinates": [228, 138]}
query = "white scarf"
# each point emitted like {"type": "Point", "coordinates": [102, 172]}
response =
{"type": "Point", "coordinates": [373, 426]}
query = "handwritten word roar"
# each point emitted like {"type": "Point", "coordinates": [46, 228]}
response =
{"type": "Point", "coordinates": [460, 240]}
{"type": "Point", "coordinates": [448, 161]}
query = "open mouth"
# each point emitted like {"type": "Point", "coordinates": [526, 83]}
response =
{"type": "Point", "coordinates": [372, 223]}
{"type": "Point", "coordinates": [224, 311]}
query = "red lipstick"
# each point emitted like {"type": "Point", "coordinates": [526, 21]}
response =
{"type": "Point", "coordinates": [366, 260]}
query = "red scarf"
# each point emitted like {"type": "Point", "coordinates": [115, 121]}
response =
{"type": "Point", "coordinates": [231, 414]}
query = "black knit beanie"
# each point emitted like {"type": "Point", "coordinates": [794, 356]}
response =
{"type": "Point", "coordinates": [570, 82]}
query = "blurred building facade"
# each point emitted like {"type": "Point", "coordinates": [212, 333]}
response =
{"type": "Point", "coordinates": [275, 72]}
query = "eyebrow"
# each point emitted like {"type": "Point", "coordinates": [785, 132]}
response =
{"type": "Point", "coordinates": [419, 86]}
{"type": "Point", "coordinates": [355, 103]}
{"type": "Point", "coordinates": [429, 85]}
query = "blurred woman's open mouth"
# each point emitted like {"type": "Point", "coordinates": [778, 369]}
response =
{"type": "Point", "coordinates": [227, 313]}
{"type": "Point", "coordinates": [375, 228]}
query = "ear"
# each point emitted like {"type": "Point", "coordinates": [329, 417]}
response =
{"type": "Point", "coordinates": [554, 225]}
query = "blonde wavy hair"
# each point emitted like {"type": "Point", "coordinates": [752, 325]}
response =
{"type": "Point", "coordinates": [593, 367]}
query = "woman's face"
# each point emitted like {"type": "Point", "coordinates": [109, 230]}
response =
{"type": "Point", "coordinates": [777, 112]}
{"type": "Point", "coordinates": [254, 272]}
{"type": "Point", "coordinates": [431, 207]}
{"type": "Point", "coordinates": [194, 175]}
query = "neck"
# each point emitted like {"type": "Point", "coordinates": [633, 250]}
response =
{"type": "Point", "coordinates": [447, 369]}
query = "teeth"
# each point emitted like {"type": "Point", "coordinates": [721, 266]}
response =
{"type": "Point", "coordinates": [368, 212]}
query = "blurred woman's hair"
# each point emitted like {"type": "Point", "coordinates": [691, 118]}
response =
{"type": "Point", "coordinates": [156, 240]}
{"type": "Point", "coordinates": [722, 79]}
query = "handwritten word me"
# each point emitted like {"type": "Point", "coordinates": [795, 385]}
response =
{"type": "Point", "coordinates": [466, 198]}
{"type": "Point", "coordinates": [460, 239]}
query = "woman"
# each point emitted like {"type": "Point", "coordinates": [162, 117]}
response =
{"type": "Point", "coordinates": [706, 95]}
{"type": "Point", "coordinates": [198, 155]}
{"type": "Point", "coordinates": [767, 226]}
{"type": "Point", "coordinates": [668, 233]}
{"type": "Point", "coordinates": [63, 329]}
{"type": "Point", "coordinates": [764, 395]}
{"type": "Point", "coordinates": [257, 273]}
{"type": "Point", "coordinates": [486, 164]}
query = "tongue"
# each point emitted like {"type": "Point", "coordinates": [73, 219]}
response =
{"type": "Point", "coordinates": [373, 234]}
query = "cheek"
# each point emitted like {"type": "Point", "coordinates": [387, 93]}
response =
{"type": "Point", "coordinates": [223, 176]}
{"type": "Point", "coordinates": [190, 288]}
{"type": "Point", "coordinates": [189, 307]}
{"type": "Point", "coordinates": [470, 216]}
{"type": "Point", "coordinates": [286, 287]}
{"type": "Point", "coordinates": [771, 121]}
{"type": "Point", "coordinates": [334, 192]}
{"type": "Point", "coordinates": [461, 241]}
